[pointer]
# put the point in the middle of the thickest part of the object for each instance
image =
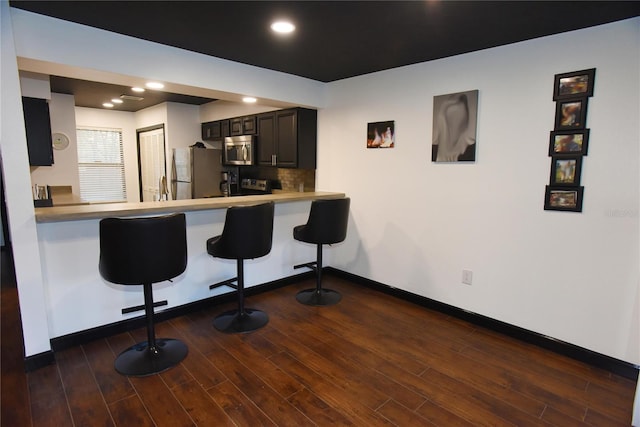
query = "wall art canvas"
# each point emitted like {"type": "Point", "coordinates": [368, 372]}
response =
{"type": "Point", "coordinates": [381, 134]}
{"type": "Point", "coordinates": [454, 127]}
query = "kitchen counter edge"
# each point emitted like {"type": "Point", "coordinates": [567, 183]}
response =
{"type": "Point", "coordinates": [99, 211]}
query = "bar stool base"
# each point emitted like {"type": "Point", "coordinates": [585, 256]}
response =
{"type": "Point", "coordinates": [323, 297]}
{"type": "Point", "coordinates": [138, 361]}
{"type": "Point", "coordinates": [232, 322]}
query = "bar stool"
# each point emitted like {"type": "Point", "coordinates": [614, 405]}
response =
{"type": "Point", "coordinates": [327, 224]}
{"type": "Point", "coordinates": [247, 234]}
{"type": "Point", "coordinates": [143, 251]}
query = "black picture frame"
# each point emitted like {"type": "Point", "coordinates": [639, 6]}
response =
{"type": "Point", "coordinates": [381, 134]}
{"type": "Point", "coordinates": [565, 171]}
{"type": "Point", "coordinates": [574, 84]}
{"type": "Point", "coordinates": [569, 142]}
{"type": "Point", "coordinates": [571, 114]}
{"type": "Point", "coordinates": [563, 198]}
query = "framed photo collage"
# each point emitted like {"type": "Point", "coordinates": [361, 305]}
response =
{"type": "Point", "coordinates": [569, 140]}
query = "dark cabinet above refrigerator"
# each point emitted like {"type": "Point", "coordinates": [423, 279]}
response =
{"type": "Point", "coordinates": [216, 130]}
{"type": "Point", "coordinates": [219, 129]}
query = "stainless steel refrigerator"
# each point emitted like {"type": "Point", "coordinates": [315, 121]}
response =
{"type": "Point", "coordinates": [196, 173]}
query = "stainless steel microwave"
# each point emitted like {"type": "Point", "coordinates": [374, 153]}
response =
{"type": "Point", "coordinates": [239, 150]}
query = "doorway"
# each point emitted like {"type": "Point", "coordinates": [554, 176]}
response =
{"type": "Point", "coordinates": [152, 165]}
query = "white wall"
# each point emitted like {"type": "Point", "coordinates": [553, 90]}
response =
{"type": "Point", "coordinates": [218, 110]}
{"type": "Point", "coordinates": [416, 225]}
{"type": "Point", "coordinates": [19, 200]}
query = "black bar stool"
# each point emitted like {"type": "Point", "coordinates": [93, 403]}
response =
{"type": "Point", "coordinates": [247, 234]}
{"type": "Point", "coordinates": [143, 251]}
{"type": "Point", "coordinates": [327, 224]}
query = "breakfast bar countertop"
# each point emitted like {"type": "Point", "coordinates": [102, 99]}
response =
{"type": "Point", "coordinates": [103, 210]}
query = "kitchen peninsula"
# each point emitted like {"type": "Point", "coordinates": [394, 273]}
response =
{"type": "Point", "coordinates": [78, 299]}
{"type": "Point", "coordinates": [103, 210]}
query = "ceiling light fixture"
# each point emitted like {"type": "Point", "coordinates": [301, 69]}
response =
{"type": "Point", "coordinates": [108, 105]}
{"type": "Point", "coordinates": [283, 27]}
{"type": "Point", "coordinates": [116, 101]}
{"type": "Point", "coordinates": [249, 99]}
{"type": "Point", "coordinates": [126, 97]}
{"type": "Point", "coordinates": [137, 89]}
{"type": "Point", "coordinates": [154, 85]}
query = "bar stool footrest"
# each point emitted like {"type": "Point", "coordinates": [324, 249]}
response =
{"type": "Point", "coordinates": [156, 304]}
{"type": "Point", "coordinates": [312, 265]}
{"type": "Point", "coordinates": [228, 282]}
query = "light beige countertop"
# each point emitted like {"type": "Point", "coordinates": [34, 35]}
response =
{"type": "Point", "coordinates": [96, 211]}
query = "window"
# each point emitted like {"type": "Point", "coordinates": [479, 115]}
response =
{"type": "Point", "coordinates": [101, 165]}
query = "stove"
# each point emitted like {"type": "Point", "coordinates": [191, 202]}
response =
{"type": "Point", "coordinates": [250, 186]}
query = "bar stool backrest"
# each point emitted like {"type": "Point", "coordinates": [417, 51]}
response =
{"type": "Point", "coordinates": [247, 232]}
{"type": "Point", "coordinates": [327, 222]}
{"type": "Point", "coordinates": [135, 251]}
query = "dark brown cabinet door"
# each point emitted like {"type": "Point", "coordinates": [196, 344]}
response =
{"type": "Point", "coordinates": [215, 130]}
{"type": "Point", "coordinates": [38, 130]}
{"type": "Point", "coordinates": [236, 126]}
{"type": "Point", "coordinates": [225, 126]}
{"type": "Point", "coordinates": [287, 138]}
{"type": "Point", "coordinates": [266, 139]}
{"type": "Point", "coordinates": [209, 130]}
{"type": "Point", "coordinates": [249, 125]}
{"type": "Point", "coordinates": [243, 125]}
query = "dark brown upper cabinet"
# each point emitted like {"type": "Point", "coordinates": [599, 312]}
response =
{"type": "Point", "coordinates": [288, 138]}
{"type": "Point", "coordinates": [38, 129]}
{"type": "Point", "coordinates": [215, 130]}
{"type": "Point", "coordinates": [243, 125]}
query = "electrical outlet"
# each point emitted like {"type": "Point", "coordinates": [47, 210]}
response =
{"type": "Point", "coordinates": [467, 277]}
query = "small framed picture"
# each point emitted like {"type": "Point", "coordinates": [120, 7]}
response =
{"type": "Point", "coordinates": [574, 84]}
{"type": "Point", "coordinates": [569, 142]}
{"type": "Point", "coordinates": [563, 199]}
{"type": "Point", "coordinates": [381, 134]}
{"type": "Point", "coordinates": [571, 114]}
{"type": "Point", "coordinates": [565, 170]}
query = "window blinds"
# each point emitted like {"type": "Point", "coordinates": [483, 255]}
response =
{"type": "Point", "coordinates": [101, 165]}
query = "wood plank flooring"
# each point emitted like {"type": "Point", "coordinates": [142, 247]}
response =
{"type": "Point", "coordinates": [371, 360]}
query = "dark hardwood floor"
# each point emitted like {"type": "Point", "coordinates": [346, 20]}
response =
{"type": "Point", "coordinates": [371, 360]}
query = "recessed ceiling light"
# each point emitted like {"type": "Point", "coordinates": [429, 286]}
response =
{"type": "Point", "coordinates": [137, 89]}
{"type": "Point", "coordinates": [283, 27]}
{"type": "Point", "coordinates": [108, 105]}
{"type": "Point", "coordinates": [116, 101]}
{"type": "Point", "coordinates": [249, 99]}
{"type": "Point", "coordinates": [154, 85]}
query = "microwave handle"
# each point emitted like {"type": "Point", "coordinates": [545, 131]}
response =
{"type": "Point", "coordinates": [244, 152]}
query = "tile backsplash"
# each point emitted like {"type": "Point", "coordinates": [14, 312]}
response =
{"type": "Point", "coordinates": [290, 179]}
